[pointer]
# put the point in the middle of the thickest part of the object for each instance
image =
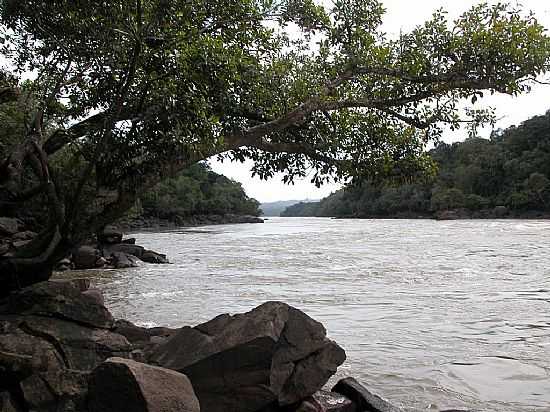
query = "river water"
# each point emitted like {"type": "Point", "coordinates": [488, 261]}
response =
{"type": "Point", "coordinates": [432, 315]}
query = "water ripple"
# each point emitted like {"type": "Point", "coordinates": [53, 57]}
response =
{"type": "Point", "coordinates": [448, 315]}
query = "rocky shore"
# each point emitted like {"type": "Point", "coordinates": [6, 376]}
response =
{"type": "Point", "coordinates": [110, 251]}
{"type": "Point", "coordinates": [148, 222]}
{"type": "Point", "coordinates": [61, 350]}
{"type": "Point", "coordinates": [499, 212]}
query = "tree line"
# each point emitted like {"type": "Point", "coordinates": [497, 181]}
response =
{"type": "Point", "coordinates": [511, 170]}
{"type": "Point", "coordinates": [196, 191]}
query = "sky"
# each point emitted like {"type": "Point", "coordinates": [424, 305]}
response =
{"type": "Point", "coordinates": [403, 15]}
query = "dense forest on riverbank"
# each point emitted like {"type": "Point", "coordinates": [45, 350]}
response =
{"type": "Point", "coordinates": [506, 174]}
{"type": "Point", "coordinates": [197, 191]}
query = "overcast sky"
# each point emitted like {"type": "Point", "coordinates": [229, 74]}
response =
{"type": "Point", "coordinates": [404, 15]}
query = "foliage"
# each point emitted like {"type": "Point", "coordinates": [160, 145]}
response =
{"type": "Point", "coordinates": [127, 93]}
{"type": "Point", "coordinates": [197, 191]}
{"type": "Point", "coordinates": [509, 170]}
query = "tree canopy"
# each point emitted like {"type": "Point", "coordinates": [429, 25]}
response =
{"type": "Point", "coordinates": [120, 94]}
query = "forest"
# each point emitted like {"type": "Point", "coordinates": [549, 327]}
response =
{"type": "Point", "coordinates": [506, 174]}
{"type": "Point", "coordinates": [196, 191]}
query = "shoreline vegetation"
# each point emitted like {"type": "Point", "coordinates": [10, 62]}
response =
{"type": "Point", "coordinates": [506, 176]}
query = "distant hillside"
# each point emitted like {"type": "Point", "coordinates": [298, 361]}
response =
{"type": "Point", "coordinates": [196, 192]}
{"type": "Point", "coordinates": [507, 175]}
{"type": "Point", "coordinates": [275, 208]}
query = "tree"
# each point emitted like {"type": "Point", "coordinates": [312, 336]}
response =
{"type": "Point", "coordinates": [125, 93]}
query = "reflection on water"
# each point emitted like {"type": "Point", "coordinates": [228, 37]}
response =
{"type": "Point", "coordinates": [432, 314]}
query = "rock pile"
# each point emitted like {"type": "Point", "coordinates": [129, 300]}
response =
{"type": "Point", "coordinates": [111, 252]}
{"type": "Point", "coordinates": [13, 235]}
{"type": "Point", "coordinates": [61, 350]}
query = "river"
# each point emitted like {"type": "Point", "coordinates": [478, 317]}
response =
{"type": "Point", "coordinates": [432, 315]}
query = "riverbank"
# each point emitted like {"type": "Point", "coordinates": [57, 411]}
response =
{"type": "Point", "coordinates": [61, 350]}
{"type": "Point", "coordinates": [151, 223]}
{"type": "Point", "coordinates": [429, 312]}
{"type": "Point", "coordinates": [458, 214]}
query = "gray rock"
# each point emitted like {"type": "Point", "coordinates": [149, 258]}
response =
{"type": "Point", "coordinates": [96, 295]}
{"type": "Point", "coordinates": [60, 390]}
{"type": "Point", "coordinates": [4, 248]}
{"type": "Point", "coordinates": [323, 401]}
{"type": "Point", "coordinates": [26, 235]}
{"type": "Point", "coordinates": [129, 241]}
{"type": "Point", "coordinates": [82, 284]}
{"type": "Point", "coordinates": [85, 257]}
{"type": "Point", "coordinates": [22, 354]}
{"type": "Point", "coordinates": [80, 347]}
{"type": "Point", "coordinates": [123, 260]}
{"type": "Point", "coordinates": [63, 265]}
{"type": "Point", "coordinates": [133, 250]}
{"type": "Point", "coordinates": [110, 235]}
{"type": "Point", "coordinates": [139, 336]}
{"type": "Point", "coordinates": [501, 211]}
{"type": "Point", "coordinates": [124, 385]}
{"type": "Point", "coordinates": [153, 257]}
{"type": "Point", "coordinates": [9, 226]}
{"type": "Point", "coordinates": [243, 363]}
{"type": "Point", "coordinates": [101, 262]}
{"type": "Point", "coordinates": [362, 397]}
{"type": "Point", "coordinates": [60, 300]}
{"type": "Point", "coordinates": [20, 243]}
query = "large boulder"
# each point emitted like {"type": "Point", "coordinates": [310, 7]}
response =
{"type": "Point", "coordinates": [362, 397]}
{"type": "Point", "coordinates": [51, 336]}
{"type": "Point", "coordinates": [60, 300]}
{"type": "Point", "coordinates": [86, 257]}
{"type": "Point", "coordinates": [272, 355]}
{"type": "Point", "coordinates": [124, 385]}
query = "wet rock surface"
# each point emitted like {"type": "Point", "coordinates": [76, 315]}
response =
{"type": "Point", "coordinates": [324, 401]}
{"type": "Point", "coordinates": [61, 351]}
{"type": "Point", "coordinates": [125, 385]}
{"type": "Point", "coordinates": [51, 336]}
{"type": "Point", "coordinates": [362, 397]}
{"type": "Point", "coordinates": [274, 354]}
{"type": "Point", "coordinates": [111, 252]}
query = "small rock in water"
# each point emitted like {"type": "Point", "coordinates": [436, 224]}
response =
{"type": "Point", "coordinates": [362, 397]}
{"type": "Point", "coordinates": [122, 260]}
{"type": "Point", "coordinates": [324, 401]}
{"type": "Point", "coordinates": [153, 257]}
{"type": "Point", "coordinates": [133, 250]}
